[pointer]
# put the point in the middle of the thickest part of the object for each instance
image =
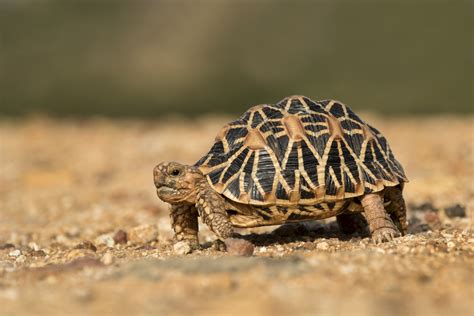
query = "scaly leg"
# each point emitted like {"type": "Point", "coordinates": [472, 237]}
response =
{"type": "Point", "coordinates": [380, 224]}
{"type": "Point", "coordinates": [184, 220]}
{"type": "Point", "coordinates": [397, 208]}
{"type": "Point", "coordinates": [211, 208]}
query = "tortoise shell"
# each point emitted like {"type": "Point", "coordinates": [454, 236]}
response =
{"type": "Point", "coordinates": [299, 152]}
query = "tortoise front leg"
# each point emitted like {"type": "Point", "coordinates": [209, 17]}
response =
{"type": "Point", "coordinates": [380, 224]}
{"type": "Point", "coordinates": [211, 208]}
{"type": "Point", "coordinates": [184, 220]}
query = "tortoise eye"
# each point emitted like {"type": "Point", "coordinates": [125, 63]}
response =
{"type": "Point", "coordinates": [175, 172]}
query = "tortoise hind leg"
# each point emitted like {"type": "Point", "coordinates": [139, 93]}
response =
{"type": "Point", "coordinates": [397, 208]}
{"type": "Point", "coordinates": [381, 225]}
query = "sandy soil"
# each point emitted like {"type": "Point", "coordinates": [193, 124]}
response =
{"type": "Point", "coordinates": [82, 232]}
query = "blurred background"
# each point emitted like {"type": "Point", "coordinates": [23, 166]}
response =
{"type": "Point", "coordinates": [153, 58]}
{"type": "Point", "coordinates": [93, 94]}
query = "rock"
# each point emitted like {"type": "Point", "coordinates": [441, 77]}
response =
{"type": "Point", "coordinates": [322, 245]}
{"type": "Point", "coordinates": [120, 237]}
{"type": "Point", "coordinates": [451, 245]}
{"type": "Point", "coordinates": [456, 210]}
{"type": "Point", "coordinates": [142, 234]}
{"type": "Point", "coordinates": [20, 259]}
{"type": "Point", "coordinates": [14, 253]}
{"type": "Point", "coordinates": [182, 248]}
{"type": "Point", "coordinates": [432, 218]}
{"type": "Point", "coordinates": [239, 247]}
{"type": "Point", "coordinates": [34, 246]}
{"type": "Point", "coordinates": [107, 259]}
{"type": "Point", "coordinates": [106, 240]}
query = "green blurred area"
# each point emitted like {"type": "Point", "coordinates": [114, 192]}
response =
{"type": "Point", "coordinates": [145, 58]}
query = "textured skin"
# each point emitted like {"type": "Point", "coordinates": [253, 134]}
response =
{"type": "Point", "coordinates": [397, 208]}
{"type": "Point", "coordinates": [380, 224]}
{"type": "Point", "coordinates": [212, 209]}
{"type": "Point", "coordinates": [350, 223]}
{"type": "Point", "coordinates": [184, 221]}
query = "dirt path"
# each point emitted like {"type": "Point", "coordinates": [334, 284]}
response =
{"type": "Point", "coordinates": [82, 232]}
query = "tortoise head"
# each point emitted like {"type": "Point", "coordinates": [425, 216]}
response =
{"type": "Point", "coordinates": [176, 183]}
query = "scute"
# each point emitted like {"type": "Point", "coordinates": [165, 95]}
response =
{"type": "Point", "coordinates": [299, 152]}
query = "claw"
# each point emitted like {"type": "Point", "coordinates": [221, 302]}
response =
{"type": "Point", "coordinates": [219, 245]}
{"type": "Point", "coordinates": [385, 235]}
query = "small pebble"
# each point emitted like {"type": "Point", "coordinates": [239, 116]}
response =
{"type": "Point", "coordinates": [14, 253]}
{"type": "Point", "coordinates": [106, 240]}
{"type": "Point", "coordinates": [322, 245]}
{"type": "Point", "coordinates": [20, 259]}
{"type": "Point", "coordinates": [142, 234]}
{"type": "Point", "coordinates": [120, 237]}
{"type": "Point", "coordinates": [432, 217]}
{"type": "Point", "coordinates": [455, 211]}
{"type": "Point", "coordinates": [181, 248]}
{"type": "Point", "coordinates": [34, 246]}
{"type": "Point", "coordinates": [239, 247]}
{"type": "Point", "coordinates": [107, 259]}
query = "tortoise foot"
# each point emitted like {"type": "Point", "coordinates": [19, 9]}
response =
{"type": "Point", "coordinates": [385, 234]}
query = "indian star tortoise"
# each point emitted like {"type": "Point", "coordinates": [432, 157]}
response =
{"type": "Point", "coordinates": [293, 161]}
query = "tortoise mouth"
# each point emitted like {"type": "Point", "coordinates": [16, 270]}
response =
{"type": "Point", "coordinates": [165, 190]}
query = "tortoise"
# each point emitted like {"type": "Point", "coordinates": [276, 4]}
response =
{"type": "Point", "coordinates": [292, 161]}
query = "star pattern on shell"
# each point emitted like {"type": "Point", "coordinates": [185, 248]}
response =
{"type": "Point", "coordinates": [299, 152]}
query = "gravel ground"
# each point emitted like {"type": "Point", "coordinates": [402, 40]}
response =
{"type": "Point", "coordinates": [82, 232]}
